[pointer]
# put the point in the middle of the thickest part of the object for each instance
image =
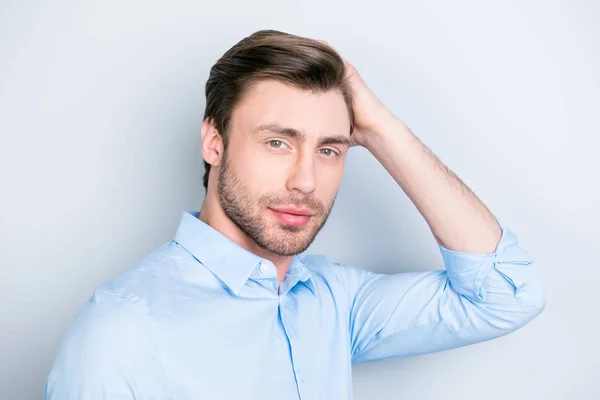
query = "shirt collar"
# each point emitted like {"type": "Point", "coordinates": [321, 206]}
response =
{"type": "Point", "coordinates": [230, 262]}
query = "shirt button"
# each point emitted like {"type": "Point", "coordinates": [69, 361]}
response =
{"type": "Point", "coordinates": [263, 268]}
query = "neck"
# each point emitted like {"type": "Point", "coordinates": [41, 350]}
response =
{"type": "Point", "coordinates": [212, 214]}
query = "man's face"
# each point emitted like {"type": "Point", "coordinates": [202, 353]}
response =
{"type": "Point", "coordinates": [268, 167]}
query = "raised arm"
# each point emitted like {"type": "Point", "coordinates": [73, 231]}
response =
{"type": "Point", "coordinates": [477, 298]}
{"type": "Point", "coordinates": [489, 287]}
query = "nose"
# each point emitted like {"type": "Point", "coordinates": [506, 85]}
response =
{"type": "Point", "coordinates": [303, 175]}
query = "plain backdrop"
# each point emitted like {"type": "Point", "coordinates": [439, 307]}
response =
{"type": "Point", "coordinates": [101, 105]}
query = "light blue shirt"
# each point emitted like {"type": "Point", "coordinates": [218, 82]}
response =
{"type": "Point", "coordinates": [202, 318]}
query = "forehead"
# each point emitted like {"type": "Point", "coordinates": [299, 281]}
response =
{"type": "Point", "coordinates": [270, 101]}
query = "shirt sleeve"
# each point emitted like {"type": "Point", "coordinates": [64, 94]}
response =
{"type": "Point", "coordinates": [477, 298]}
{"type": "Point", "coordinates": [109, 352]}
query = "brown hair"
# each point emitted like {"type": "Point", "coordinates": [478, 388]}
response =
{"type": "Point", "coordinates": [269, 54]}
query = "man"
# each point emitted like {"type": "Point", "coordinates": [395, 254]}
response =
{"type": "Point", "coordinates": [233, 307]}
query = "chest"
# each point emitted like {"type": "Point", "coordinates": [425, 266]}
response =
{"type": "Point", "coordinates": [291, 346]}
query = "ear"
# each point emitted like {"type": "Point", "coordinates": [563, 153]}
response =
{"type": "Point", "coordinates": [212, 143]}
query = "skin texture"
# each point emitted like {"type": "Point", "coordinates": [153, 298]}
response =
{"type": "Point", "coordinates": [257, 173]}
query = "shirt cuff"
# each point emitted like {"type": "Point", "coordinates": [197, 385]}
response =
{"type": "Point", "coordinates": [469, 271]}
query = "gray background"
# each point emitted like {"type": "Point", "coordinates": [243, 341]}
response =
{"type": "Point", "coordinates": [100, 112]}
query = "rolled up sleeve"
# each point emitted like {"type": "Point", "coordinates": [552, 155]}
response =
{"type": "Point", "coordinates": [477, 298]}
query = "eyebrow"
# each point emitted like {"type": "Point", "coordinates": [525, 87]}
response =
{"type": "Point", "coordinates": [301, 136]}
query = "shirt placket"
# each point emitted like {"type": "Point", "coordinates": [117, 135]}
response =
{"type": "Point", "coordinates": [300, 357]}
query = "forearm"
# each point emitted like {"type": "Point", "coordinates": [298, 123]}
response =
{"type": "Point", "coordinates": [457, 218]}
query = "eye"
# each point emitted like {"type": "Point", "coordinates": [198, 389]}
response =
{"type": "Point", "coordinates": [277, 144]}
{"type": "Point", "coordinates": [330, 153]}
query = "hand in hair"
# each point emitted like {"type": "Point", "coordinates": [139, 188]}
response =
{"type": "Point", "coordinates": [370, 113]}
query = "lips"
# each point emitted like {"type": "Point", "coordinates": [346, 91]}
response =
{"type": "Point", "coordinates": [294, 211]}
{"type": "Point", "coordinates": [292, 216]}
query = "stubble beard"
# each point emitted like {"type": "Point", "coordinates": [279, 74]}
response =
{"type": "Point", "coordinates": [251, 215]}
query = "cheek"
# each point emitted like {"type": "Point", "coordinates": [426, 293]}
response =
{"type": "Point", "coordinates": [260, 174]}
{"type": "Point", "coordinates": [329, 179]}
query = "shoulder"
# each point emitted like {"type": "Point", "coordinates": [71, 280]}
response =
{"type": "Point", "coordinates": [107, 349]}
{"type": "Point", "coordinates": [107, 323]}
{"type": "Point", "coordinates": [147, 284]}
{"type": "Point", "coordinates": [111, 342]}
{"type": "Point", "coordinates": [126, 306]}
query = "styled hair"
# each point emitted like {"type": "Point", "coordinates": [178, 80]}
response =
{"type": "Point", "coordinates": [269, 54]}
